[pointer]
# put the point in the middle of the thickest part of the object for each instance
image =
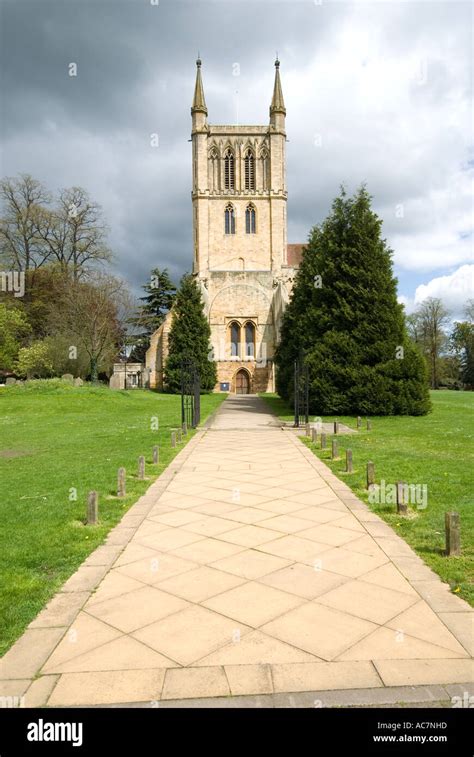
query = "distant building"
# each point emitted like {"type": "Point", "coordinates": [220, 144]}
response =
{"type": "Point", "coordinates": [130, 376]}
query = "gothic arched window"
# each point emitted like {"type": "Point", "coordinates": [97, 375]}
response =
{"type": "Point", "coordinates": [214, 169]}
{"type": "Point", "coordinates": [249, 170]}
{"type": "Point", "coordinates": [234, 339]}
{"type": "Point", "coordinates": [264, 159]}
{"type": "Point", "coordinates": [249, 339]}
{"type": "Point", "coordinates": [229, 172]}
{"type": "Point", "coordinates": [250, 220]}
{"type": "Point", "coordinates": [229, 219]}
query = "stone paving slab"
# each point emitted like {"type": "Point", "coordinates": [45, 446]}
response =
{"type": "Point", "coordinates": [247, 572]}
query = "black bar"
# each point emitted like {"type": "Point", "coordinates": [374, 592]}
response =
{"type": "Point", "coordinates": [272, 720]}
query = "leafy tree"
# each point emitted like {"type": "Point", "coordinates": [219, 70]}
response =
{"type": "Point", "coordinates": [160, 293]}
{"type": "Point", "coordinates": [90, 311]}
{"type": "Point", "coordinates": [344, 316]}
{"type": "Point", "coordinates": [34, 361]}
{"type": "Point", "coordinates": [432, 318]}
{"type": "Point", "coordinates": [14, 327]}
{"type": "Point", "coordinates": [189, 338]}
{"type": "Point", "coordinates": [462, 344]}
{"type": "Point", "coordinates": [44, 288]}
{"type": "Point", "coordinates": [65, 359]}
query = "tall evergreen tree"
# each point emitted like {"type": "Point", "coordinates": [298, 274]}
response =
{"type": "Point", "coordinates": [345, 317]}
{"type": "Point", "coordinates": [160, 293]}
{"type": "Point", "coordinates": [189, 338]}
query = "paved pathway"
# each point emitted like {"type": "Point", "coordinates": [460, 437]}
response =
{"type": "Point", "coordinates": [248, 568]}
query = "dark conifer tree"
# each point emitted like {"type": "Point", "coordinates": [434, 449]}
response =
{"type": "Point", "coordinates": [159, 295]}
{"type": "Point", "coordinates": [345, 316]}
{"type": "Point", "coordinates": [189, 338]}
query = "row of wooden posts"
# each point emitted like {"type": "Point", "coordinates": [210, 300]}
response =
{"type": "Point", "coordinates": [451, 519]}
{"type": "Point", "coordinates": [92, 515]}
{"type": "Point", "coordinates": [310, 429]}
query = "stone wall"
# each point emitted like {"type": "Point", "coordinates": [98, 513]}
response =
{"type": "Point", "coordinates": [157, 353]}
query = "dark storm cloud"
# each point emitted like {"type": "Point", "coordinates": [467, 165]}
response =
{"type": "Point", "coordinates": [135, 77]}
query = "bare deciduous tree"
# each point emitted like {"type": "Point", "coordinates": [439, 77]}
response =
{"type": "Point", "coordinates": [431, 319]}
{"type": "Point", "coordinates": [75, 232]}
{"type": "Point", "coordinates": [22, 244]}
{"type": "Point", "coordinates": [71, 234]}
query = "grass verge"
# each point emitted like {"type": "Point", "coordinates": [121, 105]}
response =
{"type": "Point", "coordinates": [57, 443]}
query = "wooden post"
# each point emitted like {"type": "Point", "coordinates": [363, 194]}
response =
{"type": "Point", "coordinates": [92, 509]}
{"type": "Point", "coordinates": [173, 438]}
{"type": "Point", "coordinates": [323, 440]}
{"type": "Point", "coordinates": [349, 467]}
{"type": "Point", "coordinates": [370, 475]}
{"type": "Point", "coordinates": [156, 455]}
{"type": "Point", "coordinates": [334, 450]}
{"type": "Point", "coordinates": [185, 428]}
{"type": "Point", "coordinates": [402, 507]}
{"type": "Point", "coordinates": [141, 467]}
{"type": "Point", "coordinates": [314, 435]}
{"type": "Point", "coordinates": [308, 429]}
{"type": "Point", "coordinates": [336, 426]}
{"type": "Point", "coordinates": [453, 534]}
{"type": "Point", "coordinates": [359, 422]}
{"type": "Point", "coordinates": [121, 486]}
{"type": "Point", "coordinates": [179, 436]}
{"type": "Point", "coordinates": [369, 424]}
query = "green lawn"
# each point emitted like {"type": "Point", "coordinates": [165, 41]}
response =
{"type": "Point", "coordinates": [54, 438]}
{"type": "Point", "coordinates": [435, 450]}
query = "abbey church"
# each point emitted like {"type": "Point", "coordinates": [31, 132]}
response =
{"type": "Point", "coordinates": [241, 258]}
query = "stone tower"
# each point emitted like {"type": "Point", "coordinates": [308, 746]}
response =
{"type": "Point", "coordinates": [239, 202]}
{"type": "Point", "coordinates": [240, 254]}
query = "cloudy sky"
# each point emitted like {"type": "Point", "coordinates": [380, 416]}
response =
{"type": "Point", "coordinates": [376, 92]}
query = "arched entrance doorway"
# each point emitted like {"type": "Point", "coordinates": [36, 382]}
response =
{"type": "Point", "coordinates": [242, 382]}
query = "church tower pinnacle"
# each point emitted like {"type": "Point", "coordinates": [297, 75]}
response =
{"type": "Point", "coordinates": [199, 108]}
{"type": "Point", "coordinates": [277, 108]}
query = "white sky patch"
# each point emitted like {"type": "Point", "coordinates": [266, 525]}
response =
{"type": "Point", "coordinates": [454, 290]}
{"type": "Point", "coordinates": [407, 302]}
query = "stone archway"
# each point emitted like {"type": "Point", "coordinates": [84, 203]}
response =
{"type": "Point", "coordinates": [242, 382]}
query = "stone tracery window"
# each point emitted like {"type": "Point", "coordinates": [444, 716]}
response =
{"type": "Point", "coordinates": [264, 159]}
{"type": "Point", "coordinates": [250, 220]}
{"type": "Point", "coordinates": [229, 169]}
{"type": "Point", "coordinates": [229, 219]}
{"type": "Point", "coordinates": [249, 170]}
{"type": "Point", "coordinates": [249, 339]}
{"type": "Point", "coordinates": [234, 339]}
{"type": "Point", "coordinates": [214, 169]}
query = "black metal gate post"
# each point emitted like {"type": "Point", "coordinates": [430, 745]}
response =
{"type": "Point", "coordinates": [296, 397]}
{"type": "Point", "coordinates": [197, 399]}
{"type": "Point", "coordinates": [306, 392]}
{"type": "Point", "coordinates": [301, 392]}
{"type": "Point", "coordinates": [190, 394]}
